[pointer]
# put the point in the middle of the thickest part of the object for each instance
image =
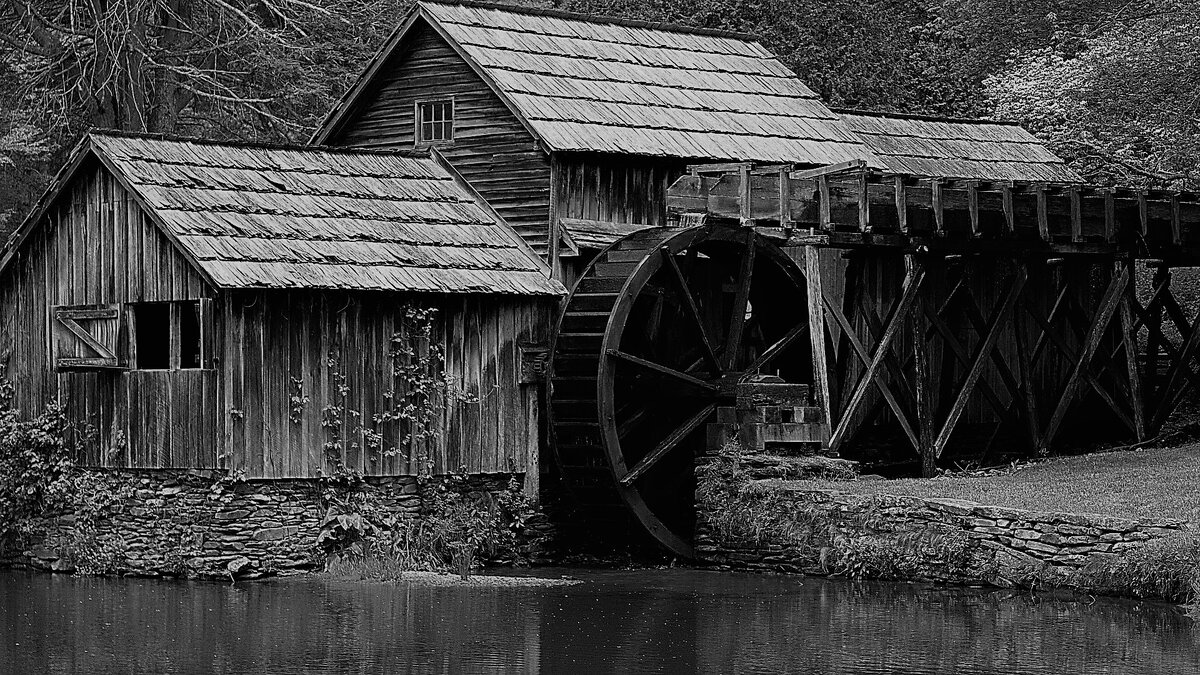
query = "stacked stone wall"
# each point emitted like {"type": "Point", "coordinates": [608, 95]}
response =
{"type": "Point", "coordinates": [817, 531]}
{"type": "Point", "coordinates": [192, 523]}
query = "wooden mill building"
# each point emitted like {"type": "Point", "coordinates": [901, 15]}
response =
{"type": "Point", "coordinates": [701, 246]}
{"type": "Point", "coordinates": [247, 307]}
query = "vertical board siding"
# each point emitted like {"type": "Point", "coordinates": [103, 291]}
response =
{"type": "Point", "coordinates": [282, 399]}
{"type": "Point", "coordinates": [491, 148]}
{"type": "Point", "coordinates": [96, 246]}
{"type": "Point", "coordinates": [620, 189]}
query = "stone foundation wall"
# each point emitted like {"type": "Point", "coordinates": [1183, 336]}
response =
{"type": "Point", "coordinates": [191, 523]}
{"type": "Point", "coordinates": [828, 532]}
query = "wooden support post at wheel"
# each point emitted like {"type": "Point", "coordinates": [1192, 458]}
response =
{"type": "Point", "coordinates": [923, 387]}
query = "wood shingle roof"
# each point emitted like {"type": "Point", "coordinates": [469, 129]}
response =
{"type": "Point", "coordinates": [972, 149]}
{"type": "Point", "coordinates": [590, 84]}
{"type": "Point", "coordinates": [274, 217]}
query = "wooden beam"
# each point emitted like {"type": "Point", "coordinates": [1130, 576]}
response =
{"type": "Point", "coordinates": [785, 201]}
{"type": "Point", "coordinates": [663, 370]}
{"type": "Point", "coordinates": [973, 206]}
{"type": "Point", "coordinates": [816, 333]}
{"type": "Point", "coordinates": [741, 299]}
{"type": "Point", "coordinates": [824, 220]}
{"type": "Point", "coordinates": [744, 196]}
{"type": "Point", "coordinates": [1176, 233]}
{"type": "Point", "coordinates": [1006, 203]}
{"type": "Point", "coordinates": [1043, 219]}
{"type": "Point", "coordinates": [923, 387]}
{"type": "Point", "coordinates": [864, 203]}
{"type": "Point", "coordinates": [1104, 313]}
{"type": "Point", "coordinates": [1076, 214]}
{"type": "Point", "coordinates": [1129, 340]}
{"type": "Point", "coordinates": [693, 310]}
{"type": "Point", "coordinates": [935, 198]}
{"type": "Point", "coordinates": [829, 169]}
{"type": "Point", "coordinates": [1143, 213]}
{"type": "Point", "coordinates": [1110, 216]}
{"type": "Point", "coordinates": [901, 203]}
{"type": "Point", "coordinates": [912, 285]}
{"type": "Point", "coordinates": [982, 352]}
{"type": "Point", "coordinates": [667, 444]}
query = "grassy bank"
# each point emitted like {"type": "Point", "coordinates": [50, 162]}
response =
{"type": "Point", "coordinates": [1151, 483]}
{"type": "Point", "coordinates": [866, 533]}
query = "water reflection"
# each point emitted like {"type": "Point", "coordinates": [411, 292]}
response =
{"type": "Point", "coordinates": [645, 621]}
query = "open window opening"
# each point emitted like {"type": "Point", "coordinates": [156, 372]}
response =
{"type": "Point", "coordinates": [435, 121]}
{"type": "Point", "coordinates": [168, 335]}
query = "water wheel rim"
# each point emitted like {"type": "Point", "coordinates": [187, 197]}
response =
{"type": "Point", "coordinates": [614, 331]}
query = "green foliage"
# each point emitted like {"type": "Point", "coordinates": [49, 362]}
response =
{"type": "Point", "coordinates": [1167, 568]}
{"type": "Point", "coordinates": [34, 462]}
{"type": "Point", "coordinates": [902, 555]}
{"type": "Point", "coordinates": [1120, 99]}
{"type": "Point", "coordinates": [89, 552]}
{"type": "Point", "coordinates": [458, 528]}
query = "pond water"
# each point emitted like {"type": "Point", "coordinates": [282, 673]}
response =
{"type": "Point", "coordinates": [638, 621]}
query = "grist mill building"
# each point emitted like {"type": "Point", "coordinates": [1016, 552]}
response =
{"type": "Point", "coordinates": [640, 241]}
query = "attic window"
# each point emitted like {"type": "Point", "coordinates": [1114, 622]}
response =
{"type": "Point", "coordinates": [435, 121]}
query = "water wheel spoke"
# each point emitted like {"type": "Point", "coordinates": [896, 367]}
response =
{"type": "Point", "coordinates": [737, 319]}
{"type": "Point", "coordinates": [667, 444]}
{"type": "Point", "coordinates": [663, 370]}
{"type": "Point", "coordinates": [775, 349]}
{"type": "Point", "coordinates": [693, 309]}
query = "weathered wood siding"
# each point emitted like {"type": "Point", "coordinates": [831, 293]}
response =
{"type": "Point", "coordinates": [307, 372]}
{"type": "Point", "coordinates": [97, 247]}
{"type": "Point", "coordinates": [619, 189]}
{"type": "Point", "coordinates": [491, 148]}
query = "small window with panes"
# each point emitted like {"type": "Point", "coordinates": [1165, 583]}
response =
{"type": "Point", "coordinates": [435, 122]}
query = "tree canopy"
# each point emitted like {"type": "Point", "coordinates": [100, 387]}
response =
{"type": "Point", "coordinates": [1112, 85]}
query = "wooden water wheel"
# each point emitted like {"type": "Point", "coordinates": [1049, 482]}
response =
{"type": "Point", "coordinates": [656, 335]}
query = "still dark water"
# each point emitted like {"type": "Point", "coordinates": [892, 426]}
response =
{"type": "Point", "coordinates": [642, 621]}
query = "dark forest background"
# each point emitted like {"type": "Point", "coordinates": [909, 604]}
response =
{"type": "Point", "coordinates": [1113, 85]}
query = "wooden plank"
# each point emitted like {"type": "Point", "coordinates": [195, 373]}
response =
{"type": "Point", "coordinates": [864, 203]}
{"type": "Point", "coordinates": [973, 206]}
{"type": "Point", "coordinates": [899, 311]}
{"type": "Point", "coordinates": [1129, 342]}
{"type": "Point", "coordinates": [1043, 220]}
{"type": "Point", "coordinates": [935, 197]}
{"type": "Point", "coordinates": [982, 353]}
{"type": "Point", "coordinates": [1104, 313]}
{"type": "Point", "coordinates": [1076, 214]}
{"type": "Point", "coordinates": [1110, 216]}
{"type": "Point", "coordinates": [824, 219]}
{"type": "Point", "coordinates": [922, 384]}
{"type": "Point", "coordinates": [817, 332]}
{"type": "Point", "coordinates": [901, 203]}
{"type": "Point", "coordinates": [1006, 204]}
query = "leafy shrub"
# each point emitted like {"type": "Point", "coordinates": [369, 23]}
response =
{"type": "Point", "coordinates": [1167, 568]}
{"type": "Point", "coordinates": [89, 552]}
{"type": "Point", "coordinates": [457, 529]}
{"type": "Point", "coordinates": [34, 458]}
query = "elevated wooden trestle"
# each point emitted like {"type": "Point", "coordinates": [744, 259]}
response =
{"type": "Point", "coordinates": [971, 313]}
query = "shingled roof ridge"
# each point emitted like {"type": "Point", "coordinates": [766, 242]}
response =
{"type": "Point", "coordinates": [259, 145]}
{"type": "Point", "coordinates": [597, 18]}
{"type": "Point", "coordinates": [925, 117]}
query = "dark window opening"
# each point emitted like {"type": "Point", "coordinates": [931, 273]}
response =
{"type": "Point", "coordinates": [152, 324]}
{"type": "Point", "coordinates": [167, 335]}
{"type": "Point", "coordinates": [435, 121]}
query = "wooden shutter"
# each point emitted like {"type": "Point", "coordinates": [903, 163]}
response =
{"type": "Point", "coordinates": [208, 334]}
{"type": "Point", "coordinates": [85, 336]}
